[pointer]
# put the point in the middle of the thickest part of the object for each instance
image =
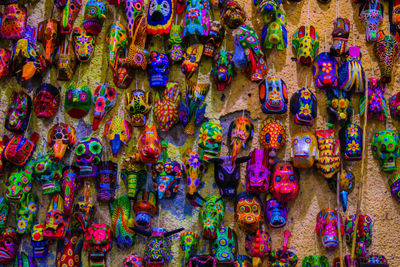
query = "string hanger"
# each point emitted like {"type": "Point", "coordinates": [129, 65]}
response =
{"type": "Point", "coordinates": [308, 13]}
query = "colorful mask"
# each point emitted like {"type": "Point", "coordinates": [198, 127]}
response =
{"type": "Point", "coordinates": [272, 137]}
{"type": "Point", "coordinates": [121, 220]}
{"type": "Point", "coordinates": [69, 250]}
{"type": "Point", "coordinates": [371, 14]}
{"type": "Point", "coordinates": [257, 171]}
{"type": "Point", "coordinates": [240, 132]}
{"type": "Point", "coordinates": [19, 149]}
{"type": "Point", "coordinates": [214, 39]}
{"type": "Point", "coordinates": [38, 242]}
{"type": "Point", "coordinates": [3, 142]}
{"type": "Point", "coordinates": [222, 69]}
{"type": "Point", "coordinates": [387, 50]}
{"type": "Point", "coordinates": [137, 55]}
{"type": "Point", "coordinates": [26, 213]}
{"type": "Point", "coordinates": [23, 260]}
{"type": "Point", "coordinates": [303, 105]}
{"type": "Point", "coordinates": [88, 154]}
{"type": "Point", "coordinates": [284, 182]}
{"type": "Point", "coordinates": [197, 18]}
{"type": "Point", "coordinates": [283, 257]}
{"type": "Point", "coordinates": [149, 144]}
{"type": "Point", "coordinates": [95, 14]}
{"type": "Point", "coordinates": [166, 109]}
{"type": "Point", "coordinates": [189, 242]}
{"type": "Point", "coordinates": [248, 212]}
{"type": "Point", "coordinates": [61, 137]}
{"type": "Point", "coordinates": [158, 69]}
{"type": "Point", "coordinates": [5, 60]}
{"type": "Point", "coordinates": [138, 105]}
{"type": "Point", "coordinates": [248, 54]}
{"type": "Point", "coordinates": [211, 215]}
{"type": "Point", "coordinates": [48, 35]}
{"type": "Point", "coordinates": [55, 223]}
{"type": "Point", "coordinates": [376, 100]}
{"type": "Point", "coordinates": [339, 106]}
{"type": "Point", "coordinates": [340, 36]}
{"type": "Point", "coordinates": [325, 71]}
{"type": "Point", "coordinates": [351, 73]}
{"type": "Point", "coordinates": [69, 186]}
{"type": "Point", "coordinates": [233, 14]}
{"type": "Point", "coordinates": [268, 9]}
{"type": "Point", "coordinates": [134, 174]}
{"type": "Point", "coordinates": [83, 44]}
{"type": "Point", "coordinates": [117, 131]}
{"type": "Point", "coordinates": [66, 61]}
{"type": "Point", "coordinates": [134, 10]}
{"type": "Point", "coordinates": [19, 183]}
{"type": "Point", "coordinates": [9, 243]}
{"type": "Point", "coordinates": [394, 106]}
{"type": "Point", "coordinates": [242, 261]}
{"type": "Point", "coordinates": [224, 247]}
{"type": "Point", "coordinates": [327, 228]}
{"type": "Point", "coordinates": [82, 216]}
{"type": "Point", "coordinates": [78, 101]}
{"type": "Point", "coordinates": [258, 246]}
{"type": "Point", "coordinates": [273, 95]}
{"type": "Point", "coordinates": [13, 22]}
{"type": "Point", "coordinates": [347, 182]}
{"type": "Point", "coordinates": [329, 153]}
{"type": "Point", "coordinates": [374, 260]}
{"type": "Point", "coordinates": [117, 39]}
{"type": "Point", "coordinates": [191, 60]}
{"type": "Point", "coordinates": [48, 173]}
{"type": "Point", "coordinates": [160, 15]}
{"type": "Point", "coordinates": [46, 100]}
{"type": "Point", "coordinates": [175, 43]}
{"type": "Point", "coordinates": [385, 148]}
{"type": "Point", "coordinates": [19, 112]}
{"type": "Point", "coordinates": [104, 99]}
{"type": "Point", "coordinates": [193, 108]}
{"type": "Point", "coordinates": [69, 10]}
{"type": "Point", "coordinates": [304, 150]}
{"type": "Point", "coordinates": [145, 208]}
{"type": "Point", "coordinates": [305, 42]}
{"type": "Point", "coordinates": [133, 261]}
{"type": "Point", "coordinates": [203, 261]}
{"type": "Point", "coordinates": [106, 181]}
{"type": "Point", "coordinates": [276, 212]}
{"type": "Point", "coordinates": [4, 210]}
{"type": "Point", "coordinates": [194, 169]}
{"type": "Point", "coordinates": [315, 261]}
{"type": "Point", "coordinates": [97, 243]}
{"type": "Point", "coordinates": [394, 183]}
{"type": "Point", "coordinates": [274, 32]}
{"type": "Point", "coordinates": [364, 233]}
{"type": "Point", "coordinates": [351, 141]}
{"type": "Point", "coordinates": [210, 140]}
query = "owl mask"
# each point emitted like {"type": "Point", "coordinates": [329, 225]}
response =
{"type": "Point", "coordinates": [77, 101]}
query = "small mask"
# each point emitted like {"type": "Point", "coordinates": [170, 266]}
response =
{"type": "Point", "coordinates": [258, 246]}
{"type": "Point", "coordinates": [104, 99]}
{"type": "Point", "coordinates": [224, 247]}
{"type": "Point", "coordinates": [364, 233]}
{"type": "Point", "coordinates": [121, 220]}
{"type": "Point", "coordinates": [4, 210]}
{"type": "Point", "coordinates": [210, 140]}
{"type": "Point", "coordinates": [315, 261]}
{"type": "Point", "coordinates": [257, 171]}
{"type": "Point", "coordinates": [273, 95]}
{"type": "Point", "coordinates": [61, 137]}
{"type": "Point", "coordinates": [272, 137]}
{"type": "Point", "coordinates": [347, 182]}
{"type": "Point", "coordinates": [117, 131]}
{"type": "Point", "coordinates": [387, 49]}
{"type": "Point", "coordinates": [233, 14]}
{"type": "Point", "coordinates": [138, 105]}
{"type": "Point", "coordinates": [160, 16]}
{"type": "Point", "coordinates": [283, 256]}
{"type": "Point", "coordinates": [329, 153]}
{"type": "Point", "coordinates": [82, 216]}
{"type": "Point", "coordinates": [340, 36]}
{"type": "Point", "coordinates": [145, 208]}
{"type": "Point", "coordinates": [214, 39]}
{"type": "Point", "coordinates": [88, 154]}
{"type": "Point", "coordinates": [394, 106]}
{"type": "Point", "coordinates": [134, 174]}
{"type": "Point", "coordinates": [194, 169]}
{"type": "Point", "coordinates": [65, 61]}
{"type": "Point", "coordinates": [166, 109]}
{"type": "Point", "coordinates": [106, 181]}
{"type": "Point", "coordinates": [351, 143]}
{"type": "Point", "coordinates": [211, 215]}
{"type": "Point", "coordinates": [95, 14]}
{"type": "Point", "coordinates": [149, 144]}
{"type": "Point", "coordinates": [13, 22]}
{"type": "Point", "coordinates": [55, 224]}
{"type": "Point", "coordinates": [19, 149]}
{"type": "Point", "coordinates": [38, 242]}
{"type": "Point", "coordinates": [304, 107]}
{"type": "Point", "coordinates": [276, 212]}
{"type": "Point", "coordinates": [69, 12]}
{"type": "Point", "coordinates": [394, 183]}
{"type": "Point", "coordinates": [327, 228]}
{"type": "Point", "coordinates": [274, 33]}
{"type": "Point", "coordinates": [305, 42]}
{"type": "Point", "coordinates": [351, 73]}
{"type": "Point", "coordinates": [133, 261]}
{"type": "Point", "coordinates": [325, 71]}
{"type": "Point", "coordinates": [242, 261]}
{"type": "Point", "coordinates": [248, 212]}
{"type": "Point", "coordinates": [69, 250]}
{"type": "Point", "coordinates": [385, 148]}
{"type": "Point", "coordinates": [46, 100]}
{"type": "Point", "coordinates": [371, 14]}
{"type": "Point", "coordinates": [138, 55]}
{"type": "Point", "coordinates": [69, 186]}
{"type": "Point", "coordinates": [158, 69]}
{"type": "Point", "coordinates": [48, 35]}
{"type": "Point", "coordinates": [9, 243]}
{"type": "Point", "coordinates": [26, 213]}
{"type": "Point", "coordinates": [97, 243]}
{"type": "Point", "coordinates": [3, 142]}
{"type": "Point", "coordinates": [376, 100]}
{"type": "Point", "coordinates": [222, 69]}
{"type": "Point", "coordinates": [268, 9]}
{"type": "Point", "coordinates": [77, 101]}
{"type": "Point", "coordinates": [189, 242]}
{"type": "Point", "coordinates": [239, 134]}
{"type": "Point", "coordinates": [175, 43]}
{"type": "Point", "coordinates": [284, 182]}
{"type": "Point", "coordinates": [19, 184]}
{"type": "Point", "coordinates": [339, 106]}
{"type": "Point", "coordinates": [304, 150]}
{"type": "Point", "coordinates": [248, 54]}
{"type": "Point", "coordinates": [19, 112]}
{"type": "Point", "coordinates": [191, 60]}
{"type": "Point", "coordinates": [5, 60]}
{"type": "Point", "coordinates": [48, 173]}
{"type": "Point", "coordinates": [83, 44]}
{"type": "Point", "coordinates": [197, 18]}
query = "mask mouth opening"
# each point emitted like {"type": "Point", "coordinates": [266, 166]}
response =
{"type": "Point", "coordinates": [157, 16]}
{"type": "Point", "coordinates": [97, 259]}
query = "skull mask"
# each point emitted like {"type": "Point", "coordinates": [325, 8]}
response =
{"type": "Point", "coordinates": [145, 208]}
{"type": "Point", "coordinates": [304, 150]}
{"type": "Point", "coordinates": [222, 69]}
{"type": "Point", "coordinates": [46, 100]}
{"type": "Point", "coordinates": [364, 233]}
{"type": "Point", "coordinates": [273, 95]}
{"type": "Point", "coordinates": [82, 216]}
{"type": "Point", "coordinates": [325, 71]}
{"type": "Point", "coordinates": [88, 154]}
{"type": "Point", "coordinates": [95, 14]}
{"type": "Point", "coordinates": [210, 140]}
{"type": "Point", "coordinates": [258, 246]}
{"type": "Point", "coordinates": [340, 36]}
{"type": "Point", "coordinates": [26, 213]}
{"type": "Point", "coordinates": [189, 242]}
{"type": "Point", "coordinates": [248, 212]}
{"type": "Point", "coordinates": [257, 171]}
{"type": "Point", "coordinates": [197, 18]}
{"type": "Point", "coordinates": [239, 134]}
{"type": "Point", "coordinates": [4, 210]}
{"type": "Point", "coordinates": [385, 148]}
{"type": "Point", "coordinates": [38, 242]}
{"type": "Point", "coordinates": [9, 243]}
{"type": "Point", "coordinates": [48, 35]}
{"type": "Point", "coordinates": [61, 137]}
{"type": "Point", "coordinates": [69, 186]}
{"type": "Point", "coordinates": [19, 183]}
{"type": "Point", "coordinates": [97, 243]}
{"type": "Point", "coordinates": [117, 131]}
{"type": "Point", "coordinates": [272, 137]}
{"type": "Point", "coordinates": [83, 44]}
{"type": "Point", "coordinates": [192, 59]}
{"type": "Point", "coordinates": [134, 174]}
{"type": "Point", "coordinates": [394, 106]}
{"type": "Point", "coordinates": [194, 169]}
{"type": "Point", "coordinates": [121, 220]}
{"type": "Point", "coordinates": [351, 143]}
{"type": "Point", "coordinates": [387, 51]}
{"type": "Point", "coordinates": [211, 215]}
{"type": "Point", "coordinates": [5, 59]}
{"type": "Point", "coordinates": [158, 69]}
{"type": "Point", "coordinates": [233, 14]}
{"type": "Point", "coordinates": [149, 144]}
{"type": "Point", "coordinates": [305, 42]}
{"type": "Point", "coordinates": [106, 181]}
{"type": "Point", "coordinates": [66, 61]}
{"type": "Point", "coordinates": [284, 182]}
{"type": "Point", "coordinates": [48, 172]}
{"type": "Point", "coordinates": [69, 12]}
{"type": "Point", "coordinates": [371, 14]}
{"type": "Point", "coordinates": [327, 228]}
{"type": "Point", "coordinates": [166, 109]}
{"type": "Point", "coordinates": [104, 99]}
{"type": "Point", "coordinates": [138, 105]}
{"type": "Point", "coordinates": [13, 22]}
{"type": "Point", "coordinates": [214, 39]}
{"type": "Point", "coordinates": [133, 261]}
{"type": "Point", "coordinates": [329, 153]}
{"type": "Point", "coordinates": [19, 112]}
{"type": "Point", "coordinates": [276, 212]}
{"type": "Point", "coordinates": [175, 43]}
{"type": "Point", "coordinates": [55, 224]}
{"type": "Point", "coordinates": [160, 15]}
{"type": "Point", "coordinates": [224, 247]}
{"type": "Point", "coordinates": [77, 101]}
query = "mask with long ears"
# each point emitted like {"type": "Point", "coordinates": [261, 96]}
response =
{"type": "Point", "coordinates": [166, 109]}
{"type": "Point", "coordinates": [69, 12]}
{"type": "Point", "coordinates": [138, 55]}
{"type": "Point", "coordinates": [19, 112]}
{"type": "Point", "coordinates": [121, 221]}
{"type": "Point", "coordinates": [387, 48]}
{"type": "Point", "coordinates": [48, 35]}
{"type": "Point", "coordinates": [65, 61]}
{"type": "Point", "coordinates": [304, 107]}
{"type": "Point", "coordinates": [61, 137]}
{"type": "Point", "coordinates": [326, 228]}
{"type": "Point", "coordinates": [134, 11]}
{"type": "Point", "coordinates": [5, 60]}
{"type": "Point", "coordinates": [95, 14]}
{"type": "Point", "coordinates": [104, 99]}
{"type": "Point", "coordinates": [305, 42]}
{"type": "Point", "coordinates": [371, 14]}
{"type": "Point", "coordinates": [13, 22]}
{"type": "Point", "coordinates": [239, 134]}
{"type": "Point", "coordinates": [325, 71]}
{"type": "Point", "coordinates": [340, 36]}
{"type": "Point", "coordinates": [258, 246]}
{"type": "Point", "coordinates": [274, 33]}
{"type": "Point", "coordinates": [117, 131]}
{"type": "Point", "coordinates": [329, 153]}
{"type": "Point", "coordinates": [149, 144]}
{"type": "Point", "coordinates": [46, 100]}
{"type": "Point", "coordinates": [194, 168]}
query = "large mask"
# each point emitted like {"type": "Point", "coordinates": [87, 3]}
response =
{"type": "Point", "coordinates": [121, 220]}
{"type": "Point", "coordinates": [258, 246]}
{"type": "Point", "coordinates": [134, 174]}
{"type": "Point", "coordinates": [284, 182]}
{"type": "Point", "coordinates": [257, 171]}
{"type": "Point", "coordinates": [276, 212]}
{"type": "Point", "coordinates": [224, 247]}
{"type": "Point", "coordinates": [48, 173]}
{"type": "Point", "coordinates": [305, 42]}
{"type": "Point", "coordinates": [327, 228]}
{"type": "Point", "coordinates": [273, 95]}
{"type": "Point", "coordinates": [19, 149]}
{"type": "Point", "coordinates": [46, 100]}
{"type": "Point", "coordinates": [133, 261]}
{"type": "Point", "coordinates": [95, 14]}
{"type": "Point", "coordinates": [304, 107]}
{"type": "Point", "coordinates": [69, 10]}
{"type": "Point", "coordinates": [394, 106]}
{"type": "Point", "coordinates": [26, 213]}
{"type": "Point", "coordinates": [175, 43]}
{"type": "Point", "coordinates": [210, 140]}
{"type": "Point", "coordinates": [19, 183]}
{"type": "Point", "coordinates": [19, 112]}
{"type": "Point", "coordinates": [158, 69]}
{"type": "Point", "coordinates": [65, 61]}
{"type": "Point", "coordinates": [117, 39]}
{"type": "Point", "coordinates": [69, 250]}
{"type": "Point", "coordinates": [189, 242]}
{"type": "Point", "coordinates": [387, 49]}
{"type": "Point", "coordinates": [38, 242]}
{"type": "Point", "coordinates": [106, 181]}
{"type": "Point", "coordinates": [283, 257]}
{"type": "Point", "coordinates": [272, 137]}
{"type": "Point", "coordinates": [248, 212]}
{"type": "Point", "coordinates": [222, 69]}
{"type": "Point", "coordinates": [138, 105]}
{"type": "Point", "coordinates": [104, 99]}
{"type": "Point", "coordinates": [98, 240]}
{"type": "Point", "coordinates": [371, 14]}
{"type": "Point", "coordinates": [61, 137]}
{"type": "Point", "coordinates": [304, 150]}
{"type": "Point", "coordinates": [248, 54]}
{"type": "Point", "coordinates": [364, 233]}
{"type": "Point", "coordinates": [351, 141]}
{"type": "Point", "coordinates": [117, 131]}
{"type": "Point", "coordinates": [315, 261]}
{"type": "Point", "coordinates": [77, 101]}
{"type": "Point", "coordinates": [376, 100]}
{"type": "Point", "coordinates": [88, 154]}
{"type": "Point", "coordinates": [160, 15]}
{"type": "Point", "coordinates": [82, 216]}
{"type": "Point", "coordinates": [69, 186]}
{"type": "Point", "coordinates": [385, 148]}
{"type": "Point", "coordinates": [4, 210]}
{"type": "Point", "coordinates": [194, 169]}
{"type": "Point", "coordinates": [5, 60]}
{"type": "Point", "coordinates": [233, 14]}
{"type": "Point", "coordinates": [197, 18]}
{"type": "Point", "coordinates": [191, 60]}
{"type": "Point", "coordinates": [239, 134]}
{"type": "Point", "coordinates": [351, 73]}
{"type": "Point", "coordinates": [340, 36]}
{"type": "Point", "coordinates": [329, 153]}
{"type": "Point", "coordinates": [214, 39]}
{"type": "Point", "coordinates": [211, 215]}
{"type": "Point", "coordinates": [13, 22]}
{"type": "Point", "coordinates": [149, 145]}
{"type": "Point", "coordinates": [325, 71]}
{"type": "Point", "coordinates": [394, 183]}
{"type": "Point", "coordinates": [48, 35]}
{"type": "Point", "coordinates": [83, 44]}
{"type": "Point", "coordinates": [274, 32]}
{"type": "Point", "coordinates": [166, 109]}
{"type": "Point", "coordinates": [339, 106]}
{"type": "Point", "coordinates": [347, 183]}
{"type": "Point", "coordinates": [55, 224]}
{"type": "Point", "coordinates": [9, 242]}
{"type": "Point", "coordinates": [145, 208]}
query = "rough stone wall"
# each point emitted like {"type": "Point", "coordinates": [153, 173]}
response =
{"type": "Point", "coordinates": [241, 96]}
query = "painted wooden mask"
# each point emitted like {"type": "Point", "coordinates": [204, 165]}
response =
{"type": "Point", "coordinates": [304, 107]}
{"type": "Point", "coordinates": [19, 184]}
{"type": "Point", "coordinates": [233, 14]}
{"type": "Point", "coordinates": [133, 261]}
{"type": "Point", "coordinates": [69, 186]}
{"type": "Point", "coordinates": [65, 61]}
{"type": "Point", "coordinates": [149, 144]}
{"type": "Point", "coordinates": [276, 212]}
{"type": "Point", "coordinates": [104, 99]}
{"type": "Point", "coordinates": [83, 44]}
{"type": "Point", "coordinates": [347, 182]}
{"type": "Point", "coordinates": [95, 14]}
{"type": "Point", "coordinates": [305, 42]}
{"type": "Point", "coordinates": [19, 112]}
{"type": "Point", "coordinates": [385, 148]}
{"type": "Point", "coordinates": [117, 39]}
{"type": "Point", "coordinates": [304, 149]}
{"type": "Point", "coordinates": [106, 180]}
{"type": "Point", "coordinates": [394, 106]}
{"type": "Point", "coordinates": [325, 71]}
{"type": "Point", "coordinates": [191, 60]}
{"type": "Point", "coordinates": [38, 242]}
{"type": "Point", "coordinates": [48, 173]}
{"type": "Point", "coordinates": [55, 224]}
{"type": "Point", "coordinates": [77, 101]}
{"type": "Point", "coordinates": [274, 33]}
{"type": "Point", "coordinates": [166, 108]}
{"type": "Point", "coordinates": [9, 243]}
{"type": "Point", "coordinates": [211, 215]}
{"type": "Point", "coordinates": [394, 183]}
{"type": "Point", "coordinates": [4, 211]}
{"type": "Point", "coordinates": [272, 137]}
{"type": "Point", "coordinates": [82, 216]}
{"type": "Point", "coordinates": [175, 43]}
{"type": "Point", "coordinates": [258, 246]}
{"type": "Point", "coordinates": [351, 143]}
{"type": "Point", "coordinates": [5, 60]}
{"type": "Point", "coordinates": [197, 18]}
{"type": "Point", "coordinates": [387, 51]}
{"type": "Point", "coordinates": [61, 137]}
{"type": "Point", "coordinates": [20, 149]}
{"type": "Point", "coordinates": [222, 69]}
{"type": "Point", "coordinates": [340, 36]}
{"type": "Point", "coordinates": [158, 69]}
{"type": "Point", "coordinates": [329, 153]}
{"type": "Point", "coordinates": [273, 95]}
{"type": "Point", "coordinates": [283, 256]}
{"type": "Point", "coordinates": [224, 247]}
{"type": "Point", "coordinates": [376, 100]}
{"type": "Point", "coordinates": [69, 12]}
{"type": "Point", "coordinates": [13, 22]}
{"type": "Point", "coordinates": [210, 140]}
{"type": "Point", "coordinates": [88, 154]}
{"type": "Point", "coordinates": [120, 213]}
{"type": "Point", "coordinates": [284, 182]}
{"type": "Point", "coordinates": [194, 168]}
{"type": "Point", "coordinates": [326, 228]}
{"type": "Point", "coordinates": [214, 39]}
{"type": "Point", "coordinates": [160, 14]}
{"type": "Point", "coordinates": [371, 14]}
{"type": "Point", "coordinates": [364, 233]}
{"type": "Point", "coordinates": [189, 242]}
{"type": "Point", "coordinates": [49, 35]}
{"type": "Point", "coordinates": [351, 72]}
{"type": "Point", "coordinates": [134, 174]}
{"type": "Point", "coordinates": [26, 213]}
{"type": "Point", "coordinates": [248, 212]}
{"type": "Point", "coordinates": [138, 105]}
{"type": "Point", "coordinates": [145, 208]}
{"type": "Point", "coordinates": [339, 106]}
{"type": "Point", "coordinates": [117, 131]}
{"type": "Point", "coordinates": [97, 242]}
{"type": "Point", "coordinates": [242, 261]}
{"type": "Point", "coordinates": [239, 134]}
{"type": "Point", "coordinates": [46, 100]}
{"type": "Point", "coordinates": [257, 171]}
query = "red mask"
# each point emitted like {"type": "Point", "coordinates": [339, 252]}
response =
{"type": "Point", "coordinates": [46, 100]}
{"type": "Point", "coordinates": [284, 182]}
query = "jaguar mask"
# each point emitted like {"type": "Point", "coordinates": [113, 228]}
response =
{"type": "Point", "coordinates": [83, 44]}
{"type": "Point", "coordinates": [95, 14]}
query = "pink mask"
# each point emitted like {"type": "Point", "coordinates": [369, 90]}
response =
{"type": "Point", "coordinates": [284, 182]}
{"type": "Point", "coordinates": [257, 171]}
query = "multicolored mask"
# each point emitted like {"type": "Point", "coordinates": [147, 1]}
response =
{"type": "Point", "coordinates": [61, 137]}
{"type": "Point", "coordinates": [193, 108]}
{"type": "Point", "coordinates": [138, 105]}
{"type": "Point", "coordinates": [77, 101]}
{"type": "Point", "coordinates": [82, 216]}
{"type": "Point", "coordinates": [258, 246]}
{"type": "Point", "coordinates": [48, 173]}
{"type": "Point", "coordinates": [325, 71]}
{"type": "Point", "coordinates": [166, 109]}
{"type": "Point", "coordinates": [248, 212]}
{"type": "Point", "coordinates": [224, 247]}
{"type": "Point", "coordinates": [9, 243]}
{"type": "Point", "coordinates": [19, 183]}
{"type": "Point", "coordinates": [19, 149]}
{"type": "Point", "coordinates": [83, 44]}
{"type": "Point", "coordinates": [191, 60]}
{"type": "Point", "coordinates": [305, 42]}
{"type": "Point", "coordinates": [327, 228]}
{"type": "Point", "coordinates": [189, 242]}
{"type": "Point", "coordinates": [197, 18]}
{"type": "Point", "coordinates": [55, 223]}
{"type": "Point", "coordinates": [340, 36]}
{"type": "Point", "coordinates": [242, 261]}
{"type": "Point", "coordinates": [272, 137]}
{"type": "Point", "coordinates": [98, 240]}
{"type": "Point", "coordinates": [46, 100]}
{"type": "Point", "coordinates": [149, 144]}
{"type": "Point", "coordinates": [351, 73]}
{"type": "Point", "coordinates": [347, 182]}
{"type": "Point", "coordinates": [117, 39]}
{"type": "Point", "coordinates": [121, 220]}
{"type": "Point", "coordinates": [69, 10]}
{"type": "Point", "coordinates": [138, 55]}
{"type": "Point", "coordinates": [117, 131]}
{"type": "Point", "coordinates": [329, 153]}
{"type": "Point", "coordinates": [19, 112]}
{"type": "Point", "coordinates": [158, 69]}
{"type": "Point", "coordinates": [240, 132]}
{"type": "Point", "coordinates": [274, 32]}
{"type": "Point", "coordinates": [104, 99]}
{"type": "Point", "coordinates": [339, 106]}
{"type": "Point", "coordinates": [133, 261]}
{"type": "Point", "coordinates": [233, 14]}
{"type": "Point", "coordinates": [376, 100]}
{"type": "Point", "coordinates": [3, 142]}
{"type": "Point", "coordinates": [248, 54]}
{"type": "Point", "coordinates": [26, 213]}
{"type": "Point", "coordinates": [68, 186]}
{"type": "Point", "coordinates": [387, 50]}
{"type": "Point", "coordinates": [276, 212]}
{"type": "Point", "coordinates": [160, 15]}
{"type": "Point", "coordinates": [134, 174]}
{"type": "Point", "coordinates": [175, 43]}
{"type": "Point", "coordinates": [13, 22]}
{"type": "Point", "coordinates": [65, 61]}
{"type": "Point", "coordinates": [4, 210]}
{"type": "Point", "coordinates": [284, 182]}
{"type": "Point", "coordinates": [211, 215]}
{"type": "Point", "coordinates": [371, 14]}
{"type": "Point", "coordinates": [374, 260]}
{"type": "Point", "coordinates": [283, 256]}
{"type": "Point", "coordinates": [303, 105]}
{"type": "Point", "coordinates": [257, 171]}
{"type": "Point", "coordinates": [364, 233]}
{"type": "Point", "coordinates": [194, 168]}
{"type": "Point", "coordinates": [5, 60]}
{"type": "Point", "coordinates": [273, 95]}
{"type": "Point", "coordinates": [214, 39]}
{"type": "Point", "coordinates": [95, 14]}
{"type": "Point", "coordinates": [315, 261]}
{"type": "Point", "coordinates": [38, 242]}
{"type": "Point", "coordinates": [106, 181]}
{"type": "Point", "coordinates": [394, 106]}
{"type": "Point", "coordinates": [210, 140]}
{"type": "Point", "coordinates": [304, 149]}
{"type": "Point", "coordinates": [69, 250]}
{"type": "Point", "coordinates": [222, 69]}
{"type": "Point", "coordinates": [394, 183]}
{"type": "Point", "coordinates": [88, 154]}
{"type": "Point", "coordinates": [385, 148]}
{"type": "Point", "coordinates": [203, 261]}
{"type": "Point", "coordinates": [48, 35]}
{"type": "Point", "coordinates": [145, 208]}
{"type": "Point", "coordinates": [351, 137]}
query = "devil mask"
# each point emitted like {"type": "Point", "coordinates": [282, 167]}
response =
{"type": "Point", "coordinates": [95, 14]}
{"type": "Point", "coordinates": [284, 182]}
{"type": "Point", "coordinates": [272, 137]}
{"type": "Point", "coordinates": [305, 42]}
{"type": "Point", "coordinates": [276, 212]}
{"type": "Point", "coordinates": [327, 228]}
{"type": "Point", "coordinates": [166, 109]}
{"type": "Point", "coordinates": [160, 15]}
{"type": "Point", "coordinates": [304, 150]}
{"type": "Point", "coordinates": [351, 143]}
{"type": "Point", "coordinates": [13, 22]}
{"type": "Point", "coordinates": [83, 44]}
{"type": "Point", "coordinates": [19, 112]}
{"type": "Point", "coordinates": [273, 95]}
{"type": "Point", "coordinates": [104, 99]}
{"type": "Point", "coordinates": [145, 208]}
{"type": "Point", "coordinates": [61, 137]}
{"type": "Point", "coordinates": [239, 134]}
{"type": "Point", "coordinates": [77, 101]}
{"type": "Point", "coordinates": [257, 171]}
{"type": "Point", "coordinates": [46, 100]}
{"type": "Point", "coordinates": [222, 69]}
{"type": "Point", "coordinates": [248, 212]}
{"type": "Point", "coordinates": [210, 140]}
{"type": "Point", "coordinates": [138, 105]}
{"type": "Point", "coordinates": [97, 243]}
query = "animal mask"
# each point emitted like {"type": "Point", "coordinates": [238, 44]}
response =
{"type": "Point", "coordinates": [222, 69]}
{"type": "Point", "coordinates": [224, 247]}
{"type": "Point", "coordinates": [351, 143]}
{"type": "Point", "coordinates": [351, 73]}
{"type": "Point", "coordinates": [211, 215]}
{"type": "Point", "coordinates": [160, 15]}
{"type": "Point", "coordinates": [19, 183]}
{"type": "Point", "coordinates": [106, 179]}
{"type": "Point", "coordinates": [5, 60]}
{"type": "Point", "coordinates": [95, 14]}
{"type": "Point", "coordinates": [273, 95]}
{"type": "Point", "coordinates": [325, 71]}
{"type": "Point", "coordinates": [316, 261]}
{"type": "Point", "coordinates": [214, 39]}
{"type": "Point", "coordinates": [394, 106]}
{"type": "Point", "coordinates": [387, 51]}
{"type": "Point", "coordinates": [248, 212]}
{"type": "Point", "coordinates": [82, 216]}
{"type": "Point", "coordinates": [48, 35]}
{"type": "Point", "coordinates": [97, 243]}
{"type": "Point", "coordinates": [117, 131]}
{"type": "Point", "coordinates": [340, 36]}
{"type": "Point", "coordinates": [48, 173]}
{"type": "Point", "coordinates": [303, 105]}
{"type": "Point", "coordinates": [233, 14]}
{"type": "Point", "coordinates": [55, 223]}
{"type": "Point", "coordinates": [69, 250]}
{"type": "Point", "coordinates": [19, 149]}
{"type": "Point", "coordinates": [4, 210]}
{"type": "Point", "coordinates": [138, 105]}
{"type": "Point", "coordinates": [239, 134]}
{"type": "Point", "coordinates": [121, 220]}
{"type": "Point", "coordinates": [166, 109]}
{"type": "Point", "coordinates": [88, 154]}
{"type": "Point", "coordinates": [258, 246]}
{"type": "Point", "coordinates": [19, 112]}
{"type": "Point", "coordinates": [394, 183]}
{"type": "Point", "coordinates": [197, 18]}
{"type": "Point", "coordinates": [189, 242]}
{"type": "Point", "coordinates": [272, 137]}
{"type": "Point", "coordinates": [78, 101]}
{"type": "Point", "coordinates": [65, 61]}
{"type": "Point", "coordinates": [175, 43]}
{"type": "Point", "coordinates": [26, 213]}
{"type": "Point", "coordinates": [364, 233]}
{"type": "Point", "coordinates": [133, 261]}
{"type": "Point", "coordinates": [104, 99]}
{"type": "Point", "coordinates": [385, 148]}
{"type": "Point", "coordinates": [248, 54]}
{"type": "Point", "coordinates": [327, 228]}
{"type": "Point", "coordinates": [283, 256]}
{"type": "Point", "coordinates": [145, 208]}
{"type": "Point", "coordinates": [304, 149]}
{"type": "Point", "coordinates": [149, 144]}
{"type": "Point", "coordinates": [68, 186]}
{"type": "Point", "coordinates": [46, 100]}
{"type": "Point", "coordinates": [329, 153]}
{"type": "Point", "coordinates": [13, 22]}
{"type": "Point", "coordinates": [61, 137]}
{"type": "Point", "coordinates": [284, 182]}
{"type": "Point", "coordinates": [9, 243]}
{"type": "Point", "coordinates": [339, 106]}
{"type": "Point", "coordinates": [194, 168]}
{"type": "Point", "coordinates": [191, 60]}
{"type": "Point", "coordinates": [83, 44]}
{"type": "Point", "coordinates": [371, 14]}
{"type": "Point", "coordinates": [274, 32]}
{"type": "Point", "coordinates": [305, 42]}
{"type": "Point", "coordinates": [134, 174]}
{"type": "Point", "coordinates": [210, 140]}
{"type": "Point", "coordinates": [117, 39]}
{"type": "Point", "coordinates": [69, 10]}
{"type": "Point", "coordinates": [376, 100]}
{"type": "Point", "coordinates": [158, 69]}
{"type": "Point", "coordinates": [347, 182]}
{"type": "Point", "coordinates": [257, 171]}
{"type": "Point", "coordinates": [38, 242]}
{"type": "Point", "coordinates": [276, 212]}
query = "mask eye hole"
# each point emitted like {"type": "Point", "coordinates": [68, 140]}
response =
{"type": "Point", "coordinates": [278, 179]}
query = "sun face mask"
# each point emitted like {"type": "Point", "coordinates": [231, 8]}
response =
{"type": "Point", "coordinates": [371, 14]}
{"type": "Point", "coordinates": [351, 144]}
{"type": "Point", "coordinates": [385, 148]}
{"type": "Point", "coordinates": [272, 137]}
{"type": "Point", "coordinates": [158, 69]}
{"type": "Point", "coordinates": [48, 173]}
{"type": "Point", "coordinates": [274, 33]}
{"type": "Point", "coordinates": [145, 208]}
{"type": "Point", "coordinates": [284, 182]}
{"type": "Point", "coordinates": [210, 140]}
{"type": "Point", "coordinates": [191, 60]}
{"type": "Point", "coordinates": [329, 153]}
{"type": "Point", "coordinates": [104, 99]}
{"type": "Point", "coordinates": [239, 134]}
{"type": "Point", "coordinates": [9, 243]}
{"type": "Point", "coordinates": [211, 215]}
{"type": "Point", "coordinates": [117, 131]}
{"type": "Point", "coordinates": [340, 36]}
{"type": "Point", "coordinates": [304, 107]}
{"type": "Point", "coordinates": [276, 212]}
{"type": "Point", "coordinates": [387, 51]}
{"type": "Point", "coordinates": [83, 44]}
{"type": "Point", "coordinates": [304, 150]}
{"type": "Point", "coordinates": [166, 108]}
{"type": "Point", "coordinates": [258, 246]}
{"type": "Point", "coordinates": [222, 69]}
{"type": "Point", "coordinates": [19, 149]}
{"type": "Point", "coordinates": [69, 10]}
{"type": "Point", "coordinates": [5, 60]}
{"type": "Point", "coordinates": [138, 105]}
{"type": "Point", "coordinates": [273, 95]}
{"type": "Point", "coordinates": [55, 224]}
{"type": "Point", "coordinates": [121, 220]}
{"type": "Point", "coordinates": [19, 112]}
{"type": "Point", "coordinates": [26, 214]}
{"type": "Point", "coordinates": [339, 106]}
{"type": "Point", "coordinates": [364, 233]}
{"type": "Point", "coordinates": [95, 14]}
{"type": "Point", "coordinates": [149, 144]}
{"type": "Point", "coordinates": [325, 71]}
{"type": "Point", "coordinates": [214, 39]}
{"type": "Point", "coordinates": [77, 101]}
{"type": "Point", "coordinates": [197, 18]}
{"type": "Point", "coordinates": [305, 42]}
{"type": "Point", "coordinates": [224, 247]}
{"type": "Point", "coordinates": [248, 212]}
{"type": "Point", "coordinates": [189, 242]}
{"type": "Point", "coordinates": [61, 137]}
{"type": "Point", "coordinates": [38, 242]}
{"type": "Point", "coordinates": [97, 242]}
{"type": "Point", "coordinates": [49, 35]}
{"type": "Point", "coordinates": [46, 100]}
{"type": "Point", "coordinates": [13, 22]}
{"type": "Point", "coordinates": [351, 73]}
{"type": "Point", "coordinates": [88, 154]}
{"type": "Point", "coordinates": [65, 61]}
{"type": "Point", "coordinates": [257, 171]}
{"type": "Point", "coordinates": [376, 100]}
{"type": "Point", "coordinates": [134, 174]}
{"type": "Point", "coordinates": [327, 228]}
{"type": "Point", "coordinates": [160, 15]}
{"type": "Point", "coordinates": [347, 182]}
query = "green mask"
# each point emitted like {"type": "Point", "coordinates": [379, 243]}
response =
{"type": "Point", "coordinates": [19, 183]}
{"type": "Point", "coordinates": [385, 148]}
{"type": "Point", "coordinates": [77, 101]}
{"type": "Point", "coordinates": [315, 261]}
{"type": "Point", "coordinates": [189, 242]}
{"type": "Point", "coordinates": [26, 213]}
{"type": "Point", "coordinates": [4, 210]}
{"type": "Point", "coordinates": [211, 215]}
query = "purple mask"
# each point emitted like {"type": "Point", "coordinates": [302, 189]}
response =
{"type": "Point", "coordinates": [257, 171]}
{"type": "Point", "coordinates": [371, 14]}
{"type": "Point", "coordinates": [376, 101]}
{"type": "Point", "coordinates": [276, 212]}
{"type": "Point", "coordinates": [325, 71]}
{"type": "Point", "coordinates": [327, 228]}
